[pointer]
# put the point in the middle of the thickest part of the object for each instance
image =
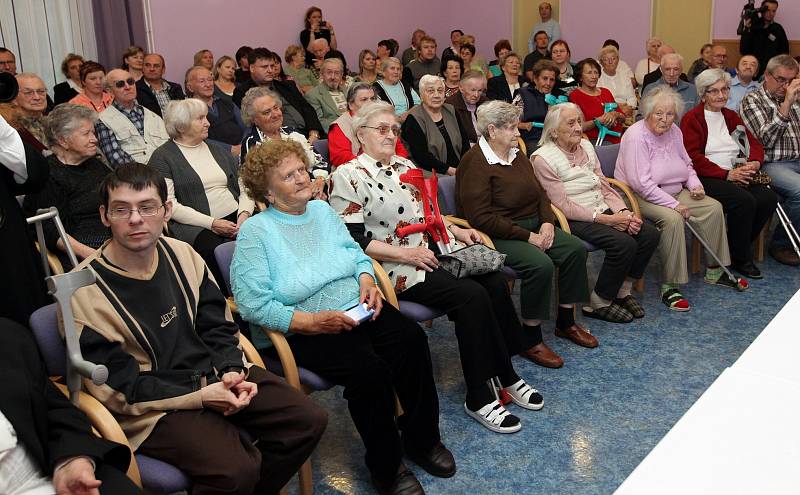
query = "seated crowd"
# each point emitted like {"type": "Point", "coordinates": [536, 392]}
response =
{"type": "Point", "coordinates": [301, 162]}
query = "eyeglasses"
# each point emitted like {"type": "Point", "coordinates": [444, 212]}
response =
{"type": "Point", "coordinates": [716, 91]}
{"type": "Point", "coordinates": [384, 129]}
{"type": "Point", "coordinates": [125, 213]}
{"type": "Point", "coordinates": [783, 81]}
{"type": "Point", "coordinates": [27, 93]}
{"type": "Point", "coordinates": [121, 83]}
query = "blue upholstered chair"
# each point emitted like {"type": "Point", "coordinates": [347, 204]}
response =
{"type": "Point", "coordinates": [321, 146]}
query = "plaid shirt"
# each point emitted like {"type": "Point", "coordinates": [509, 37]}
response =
{"type": "Point", "coordinates": [108, 141]}
{"type": "Point", "coordinates": [162, 95]}
{"type": "Point", "coordinates": [779, 135]}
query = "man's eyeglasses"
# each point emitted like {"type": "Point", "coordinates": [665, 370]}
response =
{"type": "Point", "coordinates": [125, 213]}
{"type": "Point", "coordinates": [27, 93]}
{"type": "Point", "coordinates": [121, 83]}
{"type": "Point", "coordinates": [384, 129]}
{"type": "Point", "coordinates": [783, 81]}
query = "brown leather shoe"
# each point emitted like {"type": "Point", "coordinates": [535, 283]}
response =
{"type": "Point", "coordinates": [578, 335]}
{"type": "Point", "coordinates": [543, 356]}
{"type": "Point", "coordinates": [785, 255]}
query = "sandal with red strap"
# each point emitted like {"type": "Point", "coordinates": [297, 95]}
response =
{"type": "Point", "coordinates": [674, 300]}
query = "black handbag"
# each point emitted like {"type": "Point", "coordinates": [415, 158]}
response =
{"type": "Point", "coordinates": [476, 259]}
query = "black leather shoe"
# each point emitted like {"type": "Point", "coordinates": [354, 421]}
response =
{"type": "Point", "coordinates": [748, 269]}
{"type": "Point", "coordinates": [404, 483]}
{"type": "Point", "coordinates": [438, 461]}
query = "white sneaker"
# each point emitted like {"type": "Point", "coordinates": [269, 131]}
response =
{"type": "Point", "coordinates": [525, 396]}
{"type": "Point", "coordinates": [495, 417]}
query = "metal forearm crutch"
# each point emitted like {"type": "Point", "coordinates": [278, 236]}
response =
{"type": "Point", "coordinates": [739, 135]}
{"type": "Point", "coordinates": [708, 249]}
{"type": "Point", "coordinates": [62, 287]}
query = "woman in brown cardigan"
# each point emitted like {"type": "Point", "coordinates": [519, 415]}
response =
{"type": "Point", "coordinates": [498, 193]}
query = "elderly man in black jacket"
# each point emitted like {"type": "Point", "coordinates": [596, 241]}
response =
{"type": "Point", "coordinates": [298, 114]}
{"type": "Point", "coordinates": [46, 443]}
{"type": "Point", "coordinates": [153, 91]}
{"type": "Point", "coordinates": [467, 100]}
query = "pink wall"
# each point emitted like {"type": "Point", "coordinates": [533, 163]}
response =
{"type": "Point", "coordinates": [726, 18]}
{"type": "Point", "coordinates": [584, 25]}
{"type": "Point", "coordinates": [182, 27]}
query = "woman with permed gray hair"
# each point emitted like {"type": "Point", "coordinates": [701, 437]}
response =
{"type": "Point", "coordinates": [653, 162]}
{"type": "Point", "coordinates": [725, 173]}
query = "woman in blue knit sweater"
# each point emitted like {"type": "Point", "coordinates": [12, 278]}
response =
{"type": "Point", "coordinates": [296, 269]}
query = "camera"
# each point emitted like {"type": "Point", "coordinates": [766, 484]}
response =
{"type": "Point", "coordinates": [8, 87]}
{"type": "Point", "coordinates": [323, 24]}
{"type": "Point", "coordinates": [749, 11]}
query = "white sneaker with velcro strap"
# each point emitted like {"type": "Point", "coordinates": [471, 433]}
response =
{"type": "Point", "coordinates": [495, 417]}
{"type": "Point", "coordinates": [525, 396]}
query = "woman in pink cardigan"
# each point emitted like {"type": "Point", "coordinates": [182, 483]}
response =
{"type": "Point", "coordinates": [654, 163]}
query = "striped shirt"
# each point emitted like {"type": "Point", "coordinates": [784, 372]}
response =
{"type": "Point", "coordinates": [780, 135]}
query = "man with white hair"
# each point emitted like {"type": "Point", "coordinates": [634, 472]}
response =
{"type": "Point", "coordinates": [126, 131]}
{"type": "Point", "coordinates": [467, 100]}
{"type": "Point", "coordinates": [328, 97]}
{"type": "Point", "coordinates": [654, 76]}
{"type": "Point", "coordinates": [318, 48]}
{"type": "Point", "coordinates": [31, 102]}
{"type": "Point", "coordinates": [671, 71]}
{"type": "Point", "coordinates": [744, 82]}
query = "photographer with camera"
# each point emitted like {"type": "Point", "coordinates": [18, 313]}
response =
{"type": "Point", "coordinates": [761, 35]}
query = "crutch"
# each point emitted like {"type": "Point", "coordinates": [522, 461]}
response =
{"type": "Point", "coordinates": [62, 287]}
{"type": "Point", "coordinates": [740, 284]}
{"type": "Point", "coordinates": [603, 130]}
{"type": "Point", "coordinates": [434, 225]}
{"type": "Point", "coordinates": [739, 135]}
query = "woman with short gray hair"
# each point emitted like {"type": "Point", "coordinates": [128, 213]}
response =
{"type": "Point", "coordinates": [434, 135]}
{"type": "Point", "coordinates": [569, 170]}
{"type": "Point", "coordinates": [726, 174]}
{"type": "Point", "coordinates": [392, 90]}
{"type": "Point", "coordinates": [208, 201]}
{"type": "Point", "coordinates": [75, 171]}
{"type": "Point", "coordinates": [498, 193]}
{"type": "Point", "coordinates": [653, 162]}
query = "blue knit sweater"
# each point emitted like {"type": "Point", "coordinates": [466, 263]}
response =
{"type": "Point", "coordinates": [284, 263]}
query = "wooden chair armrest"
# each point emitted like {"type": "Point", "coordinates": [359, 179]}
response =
{"type": "Point", "coordinates": [232, 305]}
{"type": "Point", "coordinates": [55, 264]}
{"type": "Point", "coordinates": [285, 356]}
{"type": "Point", "coordinates": [522, 147]}
{"type": "Point", "coordinates": [562, 219]}
{"type": "Point", "coordinates": [250, 352]}
{"type": "Point", "coordinates": [106, 426]}
{"type": "Point", "coordinates": [625, 188]}
{"type": "Point", "coordinates": [487, 241]}
{"type": "Point", "coordinates": [385, 284]}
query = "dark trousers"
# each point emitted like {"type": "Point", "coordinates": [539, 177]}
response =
{"type": "Point", "coordinates": [625, 255]}
{"type": "Point", "coordinates": [487, 327]}
{"type": "Point", "coordinates": [536, 268]}
{"type": "Point", "coordinates": [374, 361]}
{"type": "Point", "coordinates": [208, 447]}
{"type": "Point", "coordinates": [747, 210]}
{"type": "Point", "coordinates": [115, 482]}
{"type": "Point", "coordinates": [205, 243]}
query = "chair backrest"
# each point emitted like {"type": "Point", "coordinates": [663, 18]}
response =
{"type": "Point", "coordinates": [608, 158]}
{"type": "Point", "coordinates": [44, 323]}
{"type": "Point", "coordinates": [321, 147]}
{"type": "Point", "coordinates": [447, 194]}
{"type": "Point", "coordinates": [224, 256]}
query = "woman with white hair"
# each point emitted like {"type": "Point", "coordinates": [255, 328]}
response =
{"type": "Point", "coordinates": [569, 170]}
{"type": "Point", "coordinates": [498, 193]}
{"type": "Point", "coordinates": [208, 201]}
{"type": "Point", "coordinates": [654, 163]}
{"type": "Point", "coordinates": [392, 90]}
{"type": "Point", "coordinates": [616, 79]}
{"type": "Point", "coordinates": [651, 62]}
{"type": "Point", "coordinates": [434, 134]}
{"type": "Point", "coordinates": [372, 201]}
{"type": "Point", "coordinates": [727, 175]}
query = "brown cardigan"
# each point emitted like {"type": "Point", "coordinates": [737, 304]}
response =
{"type": "Point", "coordinates": [492, 197]}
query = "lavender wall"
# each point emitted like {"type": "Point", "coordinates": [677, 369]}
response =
{"type": "Point", "coordinates": [726, 18]}
{"type": "Point", "coordinates": [181, 27]}
{"type": "Point", "coordinates": [584, 25]}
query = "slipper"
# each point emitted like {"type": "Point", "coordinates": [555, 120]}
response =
{"type": "Point", "coordinates": [632, 305]}
{"type": "Point", "coordinates": [613, 313]}
{"type": "Point", "coordinates": [495, 417]}
{"type": "Point", "coordinates": [675, 301]}
{"type": "Point", "coordinates": [724, 280]}
{"type": "Point", "coordinates": [525, 396]}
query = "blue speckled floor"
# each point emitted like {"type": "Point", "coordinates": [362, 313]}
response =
{"type": "Point", "coordinates": [604, 410]}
